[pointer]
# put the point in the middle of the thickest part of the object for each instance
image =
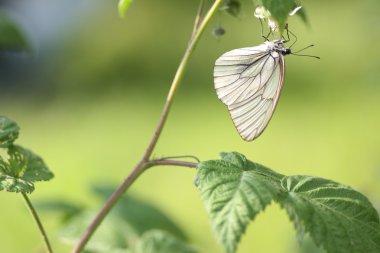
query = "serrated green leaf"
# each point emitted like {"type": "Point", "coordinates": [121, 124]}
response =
{"type": "Point", "coordinates": [36, 169]}
{"type": "Point", "coordinates": [123, 6]}
{"type": "Point", "coordinates": [234, 191]}
{"type": "Point", "coordinates": [13, 184]}
{"type": "Point", "coordinates": [158, 241]}
{"type": "Point", "coordinates": [337, 217]}
{"type": "Point", "coordinates": [11, 38]}
{"type": "Point", "coordinates": [9, 131]}
{"type": "Point", "coordinates": [140, 216]}
{"type": "Point", "coordinates": [21, 169]}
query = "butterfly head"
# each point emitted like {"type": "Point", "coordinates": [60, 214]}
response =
{"type": "Point", "coordinates": [286, 51]}
{"type": "Point", "coordinates": [278, 46]}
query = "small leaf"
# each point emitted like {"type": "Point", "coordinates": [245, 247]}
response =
{"type": "Point", "coordinates": [232, 7]}
{"type": "Point", "coordinates": [157, 241]}
{"type": "Point", "coordinates": [9, 131]}
{"type": "Point", "coordinates": [337, 217]}
{"type": "Point", "coordinates": [22, 168]}
{"type": "Point", "coordinates": [279, 9]}
{"type": "Point", "coordinates": [11, 37]}
{"type": "Point", "coordinates": [123, 6]}
{"type": "Point", "coordinates": [234, 191]}
{"type": "Point", "coordinates": [301, 12]}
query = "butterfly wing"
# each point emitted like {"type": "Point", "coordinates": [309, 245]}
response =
{"type": "Point", "coordinates": [237, 73]}
{"type": "Point", "coordinates": [249, 81]}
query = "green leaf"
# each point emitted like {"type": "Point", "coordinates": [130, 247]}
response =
{"type": "Point", "coordinates": [337, 217]}
{"type": "Point", "coordinates": [139, 215]}
{"type": "Point", "coordinates": [301, 13]}
{"type": "Point", "coordinates": [234, 191]}
{"type": "Point", "coordinates": [21, 169]}
{"type": "Point", "coordinates": [14, 184]}
{"type": "Point", "coordinates": [123, 6]}
{"type": "Point", "coordinates": [157, 241]}
{"type": "Point", "coordinates": [111, 236]}
{"type": "Point", "coordinates": [9, 130]}
{"type": "Point", "coordinates": [279, 9]}
{"type": "Point", "coordinates": [232, 7]}
{"type": "Point", "coordinates": [11, 38]}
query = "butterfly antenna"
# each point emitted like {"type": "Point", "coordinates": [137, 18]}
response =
{"type": "Point", "coordinates": [312, 56]}
{"type": "Point", "coordinates": [300, 50]}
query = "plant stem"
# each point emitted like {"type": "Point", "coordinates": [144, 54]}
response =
{"type": "Point", "coordinates": [145, 163]}
{"type": "Point", "coordinates": [199, 29]}
{"type": "Point", "coordinates": [38, 222]}
{"type": "Point", "coordinates": [172, 163]}
{"type": "Point", "coordinates": [116, 195]}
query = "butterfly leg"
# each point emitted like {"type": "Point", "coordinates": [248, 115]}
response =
{"type": "Point", "coordinates": [262, 31]}
{"type": "Point", "coordinates": [289, 32]}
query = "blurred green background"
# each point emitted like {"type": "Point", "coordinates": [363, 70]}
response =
{"type": "Point", "coordinates": [90, 93]}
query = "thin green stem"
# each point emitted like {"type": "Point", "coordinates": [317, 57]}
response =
{"type": "Point", "coordinates": [178, 157]}
{"type": "Point", "coordinates": [38, 222]}
{"type": "Point", "coordinates": [199, 28]}
{"type": "Point", "coordinates": [171, 163]}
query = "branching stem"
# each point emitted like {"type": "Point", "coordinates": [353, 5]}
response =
{"type": "Point", "coordinates": [199, 27]}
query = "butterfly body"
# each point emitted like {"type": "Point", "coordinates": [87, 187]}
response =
{"type": "Point", "coordinates": [249, 81]}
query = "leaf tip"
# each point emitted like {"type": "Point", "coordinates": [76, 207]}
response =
{"type": "Point", "coordinates": [123, 6]}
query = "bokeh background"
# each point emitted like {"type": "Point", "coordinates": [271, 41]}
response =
{"type": "Point", "coordinates": [90, 92]}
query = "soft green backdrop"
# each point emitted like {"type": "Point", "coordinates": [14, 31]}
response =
{"type": "Point", "coordinates": [91, 99]}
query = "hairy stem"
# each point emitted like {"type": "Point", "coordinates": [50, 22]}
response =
{"type": "Point", "coordinates": [38, 222]}
{"type": "Point", "coordinates": [199, 28]}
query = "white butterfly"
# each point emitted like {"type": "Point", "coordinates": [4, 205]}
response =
{"type": "Point", "coordinates": [249, 81]}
